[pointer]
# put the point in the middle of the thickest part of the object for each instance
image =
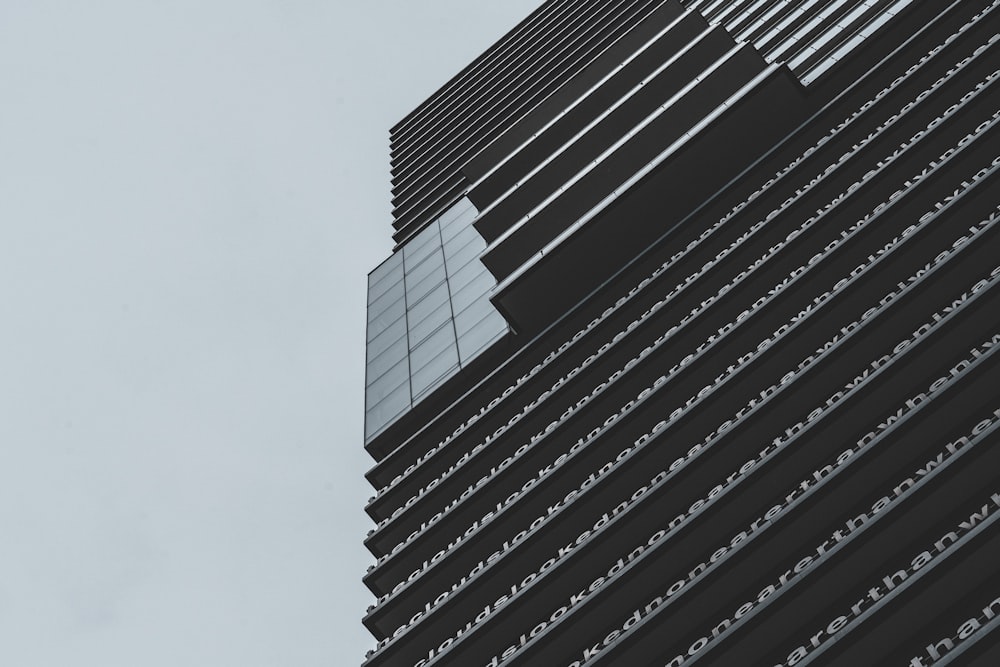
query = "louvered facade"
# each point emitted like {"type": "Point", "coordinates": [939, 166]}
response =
{"type": "Point", "coordinates": [688, 350]}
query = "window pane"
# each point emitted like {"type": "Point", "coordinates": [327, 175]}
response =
{"type": "Point", "coordinates": [421, 254]}
{"type": "Point", "coordinates": [377, 289]}
{"type": "Point", "coordinates": [474, 291]}
{"type": "Point", "coordinates": [387, 319]}
{"type": "Point", "coordinates": [426, 234]}
{"type": "Point", "coordinates": [383, 270]}
{"type": "Point", "coordinates": [434, 370]}
{"type": "Point", "coordinates": [378, 305]}
{"type": "Point", "coordinates": [384, 340]}
{"type": "Point", "coordinates": [462, 236]}
{"type": "Point", "coordinates": [473, 341]}
{"type": "Point", "coordinates": [426, 267]}
{"type": "Point", "coordinates": [425, 327]}
{"type": "Point", "coordinates": [419, 246]}
{"type": "Point", "coordinates": [419, 290]}
{"type": "Point", "coordinates": [432, 347]}
{"type": "Point", "coordinates": [390, 283]}
{"type": "Point", "coordinates": [471, 315]}
{"type": "Point", "coordinates": [466, 274]}
{"type": "Point", "coordinates": [463, 219]}
{"type": "Point", "coordinates": [459, 257]}
{"type": "Point", "coordinates": [388, 409]}
{"type": "Point", "coordinates": [449, 216]}
{"type": "Point", "coordinates": [386, 383]}
{"type": "Point", "coordinates": [385, 361]}
{"type": "Point", "coordinates": [420, 309]}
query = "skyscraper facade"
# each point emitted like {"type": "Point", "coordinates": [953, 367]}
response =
{"type": "Point", "coordinates": [687, 351]}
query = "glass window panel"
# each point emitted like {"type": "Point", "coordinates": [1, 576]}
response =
{"type": "Point", "coordinates": [449, 233]}
{"type": "Point", "coordinates": [474, 291]}
{"type": "Point", "coordinates": [382, 413]}
{"type": "Point", "coordinates": [457, 255]}
{"type": "Point", "coordinates": [419, 254]}
{"type": "Point", "coordinates": [377, 323]}
{"type": "Point", "coordinates": [419, 309]}
{"type": "Point", "coordinates": [390, 283]}
{"type": "Point", "coordinates": [458, 208]}
{"type": "Point", "coordinates": [426, 234]}
{"type": "Point", "coordinates": [464, 217]}
{"type": "Point", "coordinates": [433, 346]}
{"type": "Point", "coordinates": [462, 236]}
{"type": "Point", "coordinates": [463, 231]}
{"type": "Point", "coordinates": [465, 275]}
{"type": "Point", "coordinates": [425, 327]}
{"type": "Point", "coordinates": [426, 267]}
{"type": "Point", "coordinates": [387, 267]}
{"type": "Point", "coordinates": [378, 305]}
{"type": "Point", "coordinates": [386, 383]}
{"type": "Point", "coordinates": [460, 256]}
{"type": "Point", "coordinates": [417, 291]}
{"type": "Point", "coordinates": [380, 343]}
{"type": "Point", "coordinates": [461, 275]}
{"type": "Point", "coordinates": [382, 363]}
{"type": "Point", "coordinates": [418, 247]}
{"type": "Point", "coordinates": [434, 370]}
{"type": "Point", "coordinates": [476, 339]}
{"type": "Point", "coordinates": [476, 311]}
{"type": "Point", "coordinates": [434, 384]}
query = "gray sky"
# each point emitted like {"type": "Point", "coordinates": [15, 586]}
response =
{"type": "Point", "coordinates": [191, 195]}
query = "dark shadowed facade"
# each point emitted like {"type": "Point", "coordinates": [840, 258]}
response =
{"type": "Point", "coordinates": [687, 353]}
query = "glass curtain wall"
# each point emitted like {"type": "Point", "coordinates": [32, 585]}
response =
{"type": "Point", "coordinates": [428, 315]}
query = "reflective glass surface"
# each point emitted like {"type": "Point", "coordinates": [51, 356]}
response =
{"type": "Point", "coordinates": [449, 216]}
{"type": "Point", "coordinates": [387, 283]}
{"type": "Point", "coordinates": [463, 236]}
{"type": "Point", "coordinates": [462, 255]}
{"type": "Point", "coordinates": [477, 288]}
{"type": "Point", "coordinates": [435, 369]}
{"type": "Point", "coordinates": [389, 358]}
{"type": "Point", "coordinates": [466, 275]}
{"type": "Point", "coordinates": [433, 345]}
{"type": "Point", "coordinates": [477, 338]}
{"type": "Point", "coordinates": [419, 243]}
{"type": "Point", "coordinates": [425, 306]}
{"type": "Point", "coordinates": [424, 287]}
{"type": "Point", "coordinates": [384, 302]}
{"type": "Point", "coordinates": [395, 404]}
{"type": "Point", "coordinates": [428, 245]}
{"type": "Point", "coordinates": [476, 311]}
{"type": "Point", "coordinates": [381, 342]}
{"type": "Point", "coordinates": [387, 318]}
{"type": "Point", "coordinates": [415, 339]}
{"type": "Point", "coordinates": [457, 218]}
{"type": "Point", "coordinates": [428, 265]}
{"type": "Point", "coordinates": [383, 385]}
{"type": "Point", "coordinates": [425, 327]}
{"type": "Point", "coordinates": [387, 267]}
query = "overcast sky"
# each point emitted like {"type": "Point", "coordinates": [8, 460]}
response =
{"type": "Point", "coordinates": [191, 195]}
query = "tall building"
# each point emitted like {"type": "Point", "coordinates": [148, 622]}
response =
{"type": "Point", "coordinates": [687, 352]}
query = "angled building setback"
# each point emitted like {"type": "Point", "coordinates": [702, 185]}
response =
{"type": "Point", "coordinates": [688, 352]}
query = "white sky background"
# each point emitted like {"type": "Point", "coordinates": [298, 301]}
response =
{"type": "Point", "coordinates": [191, 195]}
